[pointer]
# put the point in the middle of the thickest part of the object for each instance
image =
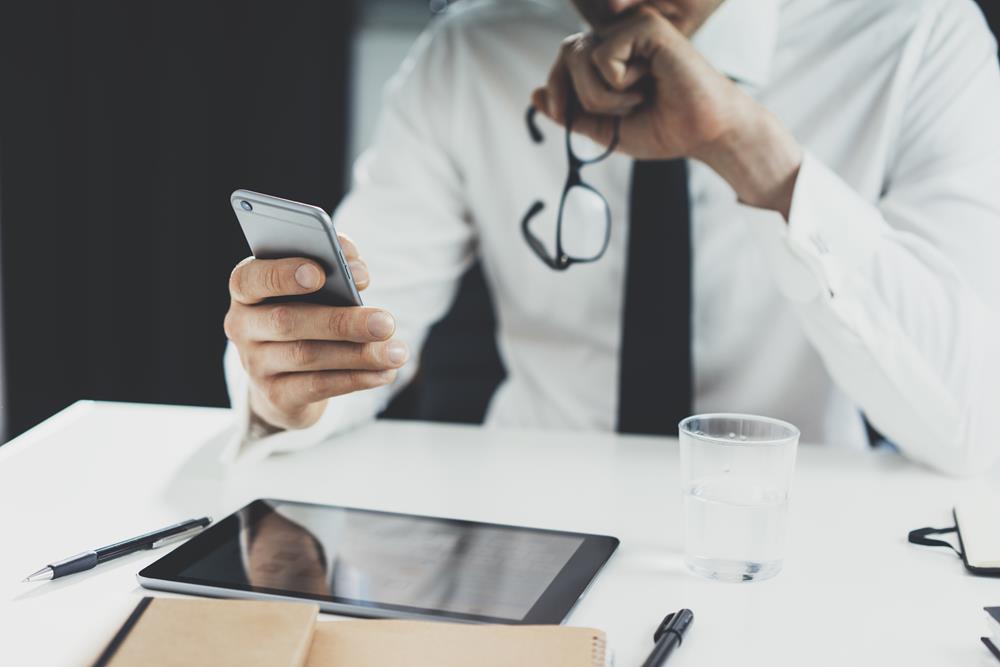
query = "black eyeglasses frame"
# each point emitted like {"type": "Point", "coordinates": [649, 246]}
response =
{"type": "Point", "coordinates": [562, 261]}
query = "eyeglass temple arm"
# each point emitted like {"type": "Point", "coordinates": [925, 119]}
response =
{"type": "Point", "coordinates": [536, 245]}
{"type": "Point", "coordinates": [529, 119]}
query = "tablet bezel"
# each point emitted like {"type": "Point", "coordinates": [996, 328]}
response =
{"type": "Point", "coordinates": [552, 607]}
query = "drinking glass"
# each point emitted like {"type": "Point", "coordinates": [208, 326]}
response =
{"type": "Point", "coordinates": [735, 474]}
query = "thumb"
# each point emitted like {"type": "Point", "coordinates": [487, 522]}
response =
{"type": "Point", "coordinates": [599, 128]}
{"type": "Point", "coordinates": [540, 99]}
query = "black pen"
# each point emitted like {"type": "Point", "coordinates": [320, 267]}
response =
{"type": "Point", "coordinates": [88, 559]}
{"type": "Point", "coordinates": [668, 635]}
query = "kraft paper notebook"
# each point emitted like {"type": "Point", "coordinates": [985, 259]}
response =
{"type": "Point", "coordinates": [169, 632]}
{"type": "Point", "coordinates": [431, 644]}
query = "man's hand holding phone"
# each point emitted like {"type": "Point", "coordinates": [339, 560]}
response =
{"type": "Point", "coordinates": [300, 354]}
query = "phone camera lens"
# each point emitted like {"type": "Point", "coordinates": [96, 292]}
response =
{"type": "Point", "coordinates": [245, 205]}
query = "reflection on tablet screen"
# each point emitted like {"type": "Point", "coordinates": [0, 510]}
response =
{"type": "Point", "coordinates": [376, 558]}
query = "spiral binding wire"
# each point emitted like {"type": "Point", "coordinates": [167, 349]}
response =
{"type": "Point", "coordinates": [598, 651]}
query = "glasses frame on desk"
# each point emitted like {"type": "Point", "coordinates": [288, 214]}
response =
{"type": "Point", "coordinates": [562, 260]}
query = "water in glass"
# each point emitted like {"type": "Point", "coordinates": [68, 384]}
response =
{"type": "Point", "coordinates": [735, 529]}
{"type": "Point", "coordinates": [735, 477]}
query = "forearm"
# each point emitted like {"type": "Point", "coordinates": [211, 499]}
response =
{"type": "Point", "coordinates": [898, 324]}
{"type": "Point", "coordinates": [757, 156]}
{"type": "Point", "coordinates": [934, 408]}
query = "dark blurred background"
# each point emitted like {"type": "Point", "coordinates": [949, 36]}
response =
{"type": "Point", "coordinates": [123, 128]}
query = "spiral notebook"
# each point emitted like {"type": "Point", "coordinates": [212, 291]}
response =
{"type": "Point", "coordinates": [170, 632]}
{"type": "Point", "coordinates": [427, 644]}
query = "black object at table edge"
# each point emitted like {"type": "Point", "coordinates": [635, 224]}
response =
{"type": "Point", "coordinates": [668, 635]}
{"type": "Point", "coordinates": [991, 646]}
{"type": "Point", "coordinates": [920, 536]}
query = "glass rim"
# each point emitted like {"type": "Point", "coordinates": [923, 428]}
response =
{"type": "Point", "coordinates": [794, 433]}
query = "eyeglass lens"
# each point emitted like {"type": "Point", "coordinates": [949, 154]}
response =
{"type": "Point", "coordinates": [584, 226]}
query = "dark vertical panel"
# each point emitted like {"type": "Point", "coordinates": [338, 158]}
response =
{"type": "Point", "coordinates": [991, 8]}
{"type": "Point", "coordinates": [43, 287]}
{"type": "Point", "coordinates": [124, 128]}
{"type": "Point", "coordinates": [460, 365]}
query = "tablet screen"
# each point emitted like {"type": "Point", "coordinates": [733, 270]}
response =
{"type": "Point", "coordinates": [378, 559]}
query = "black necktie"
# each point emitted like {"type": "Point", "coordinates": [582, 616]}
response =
{"type": "Point", "coordinates": [655, 380]}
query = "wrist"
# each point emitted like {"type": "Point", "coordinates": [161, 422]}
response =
{"type": "Point", "coordinates": [270, 418]}
{"type": "Point", "coordinates": [260, 428]}
{"type": "Point", "coordinates": [261, 425]}
{"type": "Point", "coordinates": [758, 157]}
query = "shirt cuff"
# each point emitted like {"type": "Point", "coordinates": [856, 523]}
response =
{"type": "Point", "coordinates": [248, 444]}
{"type": "Point", "coordinates": [831, 231]}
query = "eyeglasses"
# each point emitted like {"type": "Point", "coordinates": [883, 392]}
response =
{"type": "Point", "coordinates": [583, 222]}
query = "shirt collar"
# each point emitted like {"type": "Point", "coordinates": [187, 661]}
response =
{"type": "Point", "coordinates": [739, 38]}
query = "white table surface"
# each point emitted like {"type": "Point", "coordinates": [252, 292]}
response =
{"type": "Point", "coordinates": [853, 592]}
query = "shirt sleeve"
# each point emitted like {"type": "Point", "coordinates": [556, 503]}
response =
{"type": "Point", "coordinates": [901, 296]}
{"type": "Point", "coordinates": [407, 213]}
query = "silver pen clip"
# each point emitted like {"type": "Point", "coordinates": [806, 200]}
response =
{"type": "Point", "coordinates": [177, 537]}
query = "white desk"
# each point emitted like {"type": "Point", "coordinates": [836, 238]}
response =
{"type": "Point", "coordinates": [853, 591]}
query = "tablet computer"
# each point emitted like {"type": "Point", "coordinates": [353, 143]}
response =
{"type": "Point", "coordinates": [382, 564]}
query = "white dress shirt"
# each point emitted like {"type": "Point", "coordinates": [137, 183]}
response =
{"type": "Point", "coordinates": [880, 296]}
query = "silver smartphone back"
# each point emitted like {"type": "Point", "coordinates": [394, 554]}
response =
{"type": "Point", "coordinates": [276, 228]}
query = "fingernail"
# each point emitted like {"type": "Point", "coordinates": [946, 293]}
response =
{"type": "Point", "coordinates": [359, 271]}
{"type": "Point", "coordinates": [308, 276]}
{"type": "Point", "coordinates": [381, 324]}
{"type": "Point", "coordinates": [397, 352]}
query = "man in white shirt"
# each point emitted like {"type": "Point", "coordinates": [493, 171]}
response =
{"type": "Point", "coordinates": [843, 173]}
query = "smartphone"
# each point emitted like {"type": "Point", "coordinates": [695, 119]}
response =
{"type": "Point", "coordinates": [276, 228]}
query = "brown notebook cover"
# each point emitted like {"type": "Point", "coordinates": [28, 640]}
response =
{"type": "Point", "coordinates": [172, 632]}
{"type": "Point", "coordinates": [428, 643]}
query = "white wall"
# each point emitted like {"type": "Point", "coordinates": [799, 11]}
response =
{"type": "Point", "coordinates": [387, 30]}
